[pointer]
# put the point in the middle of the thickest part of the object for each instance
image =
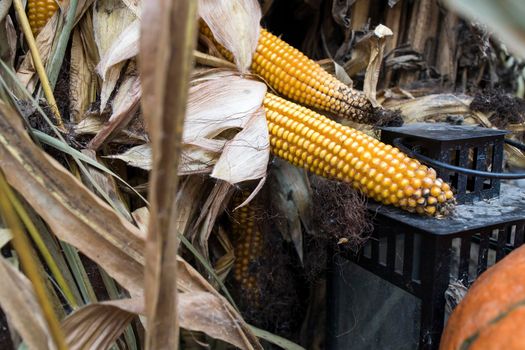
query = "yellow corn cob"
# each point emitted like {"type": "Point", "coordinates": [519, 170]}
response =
{"type": "Point", "coordinates": [298, 78]}
{"type": "Point", "coordinates": [327, 148]}
{"type": "Point", "coordinates": [248, 247]}
{"type": "Point", "coordinates": [39, 12]}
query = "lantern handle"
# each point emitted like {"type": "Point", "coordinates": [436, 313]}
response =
{"type": "Point", "coordinates": [398, 142]}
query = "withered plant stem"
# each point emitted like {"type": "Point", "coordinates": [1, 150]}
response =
{"type": "Point", "coordinates": [165, 73]}
{"type": "Point", "coordinates": [37, 61]}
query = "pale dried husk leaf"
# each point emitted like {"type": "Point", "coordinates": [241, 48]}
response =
{"type": "Point", "coordinates": [377, 50]}
{"type": "Point", "coordinates": [235, 25]}
{"type": "Point", "coordinates": [116, 35]}
{"type": "Point", "coordinates": [220, 102]}
{"type": "Point", "coordinates": [125, 104]}
{"type": "Point", "coordinates": [83, 82]}
{"type": "Point", "coordinates": [138, 156]}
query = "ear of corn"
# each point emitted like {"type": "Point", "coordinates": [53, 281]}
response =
{"type": "Point", "coordinates": [327, 148]}
{"type": "Point", "coordinates": [299, 78]}
{"type": "Point", "coordinates": [248, 248]}
{"type": "Point", "coordinates": [39, 12]}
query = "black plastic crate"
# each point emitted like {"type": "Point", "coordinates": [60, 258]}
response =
{"type": "Point", "coordinates": [469, 147]}
{"type": "Point", "coordinates": [419, 258]}
{"type": "Point", "coordinates": [422, 256]}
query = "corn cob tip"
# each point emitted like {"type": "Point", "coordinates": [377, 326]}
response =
{"type": "Point", "coordinates": [329, 149]}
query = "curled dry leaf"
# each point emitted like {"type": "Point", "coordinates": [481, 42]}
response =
{"type": "Point", "coordinates": [292, 195]}
{"type": "Point", "coordinates": [98, 325]}
{"type": "Point", "coordinates": [138, 156]}
{"type": "Point", "coordinates": [116, 31]}
{"type": "Point", "coordinates": [19, 303]}
{"type": "Point", "coordinates": [229, 102]}
{"type": "Point", "coordinates": [199, 311]}
{"type": "Point", "coordinates": [246, 156]}
{"type": "Point", "coordinates": [219, 105]}
{"type": "Point", "coordinates": [377, 51]}
{"type": "Point", "coordinates": [72, 212]}
{"type": "Point", "coordinates": [125, 105]}
{"type": "Point", "coordinates": [235, 25]}
{"type": "Point", "coordinates": [124, 47]}
{"type": "Point", "coordinates": [368, 52]}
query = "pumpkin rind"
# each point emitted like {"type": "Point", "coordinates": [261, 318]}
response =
{"type": "Point", "coordinates": [490, 303]}
{"type": "Point", "coordinates": [505, 333]}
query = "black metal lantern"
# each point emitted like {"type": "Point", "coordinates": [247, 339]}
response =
{"type": "Point", "coordinates": [391, 295]}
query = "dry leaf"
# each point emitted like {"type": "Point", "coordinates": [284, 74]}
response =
{"type": "Point", "coordinates": [98, 325]}
{"type": "Point", "coordinates": [72, 212]}
{"type": "Point", "coordinates": [83, 82]}
{"type": "Point", "coordinates": [135, 6]}
{"type": "Point", "coordinates": [124, 47]}
{"type": "Point", "coordinates": [138, 156]}
{"type": "Point", "coordinates": [220, 102]}
{"type": "Point", "coordinates": [116, 31]}
{"type": "Point", "coordinates": [235, 25]}
{"type": "Point", "coordinates": [377, 50]}
{"type": "Point", "coordinates": [210, 211]}
{"type": "Point", "coordinates": [7, 40]}
{"type": "Point", "coordinates": [19, 303]}
{"type": "Point", "coordinates": [45, 41]}
{"type": "Point", "coordinates": [125, 105]}
{"type": "Point", "coordinates": [4, 9]}
{"type": "Point", "coordinates": [430, 107]}
{"type": "Point", "coordinates": [108, 184]}
{"type": "Point", "coordinates": [246, 156]}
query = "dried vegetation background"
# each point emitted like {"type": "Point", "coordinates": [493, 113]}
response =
{"type": "Point", "coordinates": [119, 206]}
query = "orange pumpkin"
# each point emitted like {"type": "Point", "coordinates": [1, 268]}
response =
{"type": "Point", "coordinates": [492, 314]}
